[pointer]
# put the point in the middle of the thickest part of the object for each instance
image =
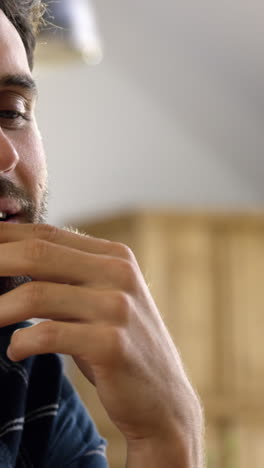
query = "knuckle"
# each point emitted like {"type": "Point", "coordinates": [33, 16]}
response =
{"type": "Point", "coordinates": [127, 274]}
{"type": "Point", "coordinates": [123, 251]}
{"type": "Point", "coordinates": [121, 306]}
{"type": "Point", "coordinates": [46, 334]}
{"type": "Point", "coordinates": [32, 295]}
{"type": "Point", "coordinates": [36, 250]}
{"type": "Point", "coordinates": [46, 232]}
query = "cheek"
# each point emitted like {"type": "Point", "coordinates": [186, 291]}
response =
{"type": "Point", "coordinates": [32, 167]}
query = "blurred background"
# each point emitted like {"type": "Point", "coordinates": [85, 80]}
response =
{"type": "Point", "coordinates": [152, 117]}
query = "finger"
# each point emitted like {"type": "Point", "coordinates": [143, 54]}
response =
{"type": "Point", "coordinates": [68, 236]}
{"type": "Point", "coordinates": [65, 303]}
{"type": "Point", "coordinates": [96, 344]}
{"type": "Point", "coordinates": [44, 261]}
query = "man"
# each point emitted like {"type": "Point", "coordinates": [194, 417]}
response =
{"type": "Point", "coordinates": [96, 304]}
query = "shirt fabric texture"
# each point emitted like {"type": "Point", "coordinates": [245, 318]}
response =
{"type": "Point", "coordinates": [43, 422]}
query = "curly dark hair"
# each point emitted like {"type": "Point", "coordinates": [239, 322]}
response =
{"type": "Point", "coordinates": [26, 16]}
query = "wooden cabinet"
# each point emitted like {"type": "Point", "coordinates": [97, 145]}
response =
{"type": "Point", "coordinates": [206, 273]}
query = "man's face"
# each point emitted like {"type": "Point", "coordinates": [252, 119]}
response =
{"type": "Point", "coordinates": [23, 171]}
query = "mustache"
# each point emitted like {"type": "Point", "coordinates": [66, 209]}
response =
{"type": "Point", "coordinates": [9, 190]}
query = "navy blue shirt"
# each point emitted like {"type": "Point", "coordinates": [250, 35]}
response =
{"type": "Point", "coordinates": [43, 422]}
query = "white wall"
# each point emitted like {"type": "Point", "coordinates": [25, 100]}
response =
{"type": "Point", "coordinates": [112, 143]}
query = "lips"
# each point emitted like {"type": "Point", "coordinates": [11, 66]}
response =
{"type": "Point", "coordinates": [9, 206]}
{"type": "Point", "coordinates": [12, 209]}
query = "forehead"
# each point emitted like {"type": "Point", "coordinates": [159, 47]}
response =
{"type": "Point", "coordinates": [13, 57]}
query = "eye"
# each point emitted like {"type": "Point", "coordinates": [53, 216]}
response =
{"type": "Point", "coordinates": [12, 115]}
{"type": "Point", "coordinates": [11, 119]}
{"type": "Point", "coordinates": [15, 110]}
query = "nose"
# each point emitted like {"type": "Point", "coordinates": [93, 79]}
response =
{"type": "Point", "coordinates": [8, 154]}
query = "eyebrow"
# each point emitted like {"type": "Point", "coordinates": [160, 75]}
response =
{"type": "Point", "coordinates": [19, 81]}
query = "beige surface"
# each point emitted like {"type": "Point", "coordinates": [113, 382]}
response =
{"type": "Point", "coordinates": [206, 273]}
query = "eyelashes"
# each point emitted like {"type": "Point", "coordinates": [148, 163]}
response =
{"type": "Point", "coordinates": [15, 110]}
{"type": "Point", "coordinates": [13, 119]}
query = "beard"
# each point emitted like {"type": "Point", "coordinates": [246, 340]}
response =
{"type": "Point", "coordinates": [32, 214]}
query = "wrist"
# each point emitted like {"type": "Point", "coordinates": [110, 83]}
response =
{"type": "Point", "coordinates": [179, 447]}
{"type": "Point", "coordinates": [156, 454]}
{"type": "Point", "coordinates": [178, 450]}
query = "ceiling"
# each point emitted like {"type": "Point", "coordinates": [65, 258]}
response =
{"type": "Point", "coordinates": [203, 61]}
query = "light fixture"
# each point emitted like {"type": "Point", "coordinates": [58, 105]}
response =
{"type": "Point", "coordinates": [70, 33]}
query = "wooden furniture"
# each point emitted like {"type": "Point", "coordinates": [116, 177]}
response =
{"type": "Point", "coordinates": [206, 273]}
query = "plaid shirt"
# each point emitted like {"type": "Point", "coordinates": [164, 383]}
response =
{"type": "Point", "coordinates": [43, 422]}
